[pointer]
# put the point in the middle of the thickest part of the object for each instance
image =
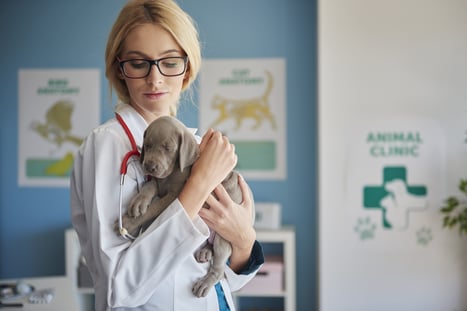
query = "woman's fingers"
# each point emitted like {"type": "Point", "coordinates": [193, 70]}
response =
{"type": "Point", "coordinates": [217, 159]}
{"type": "Point", "coordinates": [205, 139]}
{"type": "Point", "coordinates": [246, 193]}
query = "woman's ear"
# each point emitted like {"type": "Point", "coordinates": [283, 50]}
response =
{"type": "Point", "coordinates": [120, 74]}
{"type": "Point", "coordinates": [118, 69]}
{"type": "Point", "coordinates": [187, 73]}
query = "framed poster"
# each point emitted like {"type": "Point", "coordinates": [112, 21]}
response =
{"type": "Point", "coordinates": [245, 99]}
{"type": "Point", "coordinates": [57, 109]}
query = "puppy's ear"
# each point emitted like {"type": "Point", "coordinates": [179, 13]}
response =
{"type": "Point", "coordinates": [188, 150]}
{"type": "Point", "coordinates": [141, 157]}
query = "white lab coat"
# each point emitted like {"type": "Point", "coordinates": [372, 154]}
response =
{"type": "Point", "coordinates": [158, 269]}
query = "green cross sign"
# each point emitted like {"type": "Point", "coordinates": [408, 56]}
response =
{"type": "Point", "coordinates": [395, 198]}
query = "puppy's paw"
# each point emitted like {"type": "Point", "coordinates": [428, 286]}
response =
{"type": "Point", "coordinates": [130, 224]}
{"type": "Point", "coordinates": [204, 285]}
{"type": "Point", "coordinates": [204, 254]}
{"type": "Point", "coordinates": [139, 205]}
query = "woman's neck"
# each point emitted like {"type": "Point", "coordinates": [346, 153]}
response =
{"type": "Point", "coordinates": [150, 115]}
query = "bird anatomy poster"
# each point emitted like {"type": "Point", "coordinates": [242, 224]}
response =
{"type": "Point", "coordinates": [245, 99]}
{"type": "Point", "coordinates": [57, 108]}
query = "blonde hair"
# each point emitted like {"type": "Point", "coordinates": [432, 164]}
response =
{"type": "Point", "coordinates": [164, 13]}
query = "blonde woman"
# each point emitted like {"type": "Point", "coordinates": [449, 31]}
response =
{"type": "Point", "coordinates": [152, 56]}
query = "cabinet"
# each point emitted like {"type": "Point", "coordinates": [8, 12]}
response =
{"type": "Point", "coordinates": [286, 238]}
{"type": "Point", "coordinates": [83, 296]}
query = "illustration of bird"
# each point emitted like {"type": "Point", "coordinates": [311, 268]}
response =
{"type": "Point", "coordinates": [57, 126]}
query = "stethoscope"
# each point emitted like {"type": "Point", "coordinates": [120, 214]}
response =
{"type": "Point", "coordinates": [123, 169]}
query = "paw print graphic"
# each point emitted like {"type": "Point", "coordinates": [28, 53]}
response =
{"type": "Point", "coordinates": [365, 228]}
{"type": "Point", "coordinates": [424, 236]}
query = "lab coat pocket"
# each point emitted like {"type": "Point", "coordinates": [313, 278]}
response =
{"type": "Point", "coordinates": [135, 172]}
{"type": "Point", "coordinates": [134, 180]}
{"type": "Point", "coordinates": [186, 276]}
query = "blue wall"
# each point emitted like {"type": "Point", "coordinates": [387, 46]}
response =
{"type": "Point", "coordinates": [72, 34]}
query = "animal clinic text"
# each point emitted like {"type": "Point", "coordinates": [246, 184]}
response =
{"type": "Point", "coordinates": [394, 144]}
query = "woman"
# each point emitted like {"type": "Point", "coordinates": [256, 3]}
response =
{"type": "Point", "coordinates": [152, 55]}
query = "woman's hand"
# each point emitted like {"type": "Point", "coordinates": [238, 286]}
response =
{"type": "Point", "coordinates": [217, 158]}
{"type": "Point", "coordinates": [234, 222]}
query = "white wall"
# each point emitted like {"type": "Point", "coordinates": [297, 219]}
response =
{"type": "Point", "coordinates": [397, 68]}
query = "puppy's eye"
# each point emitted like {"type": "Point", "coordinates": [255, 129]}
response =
{"type": "Point", "coordinates": [146, 146]}
{"type": "Point", "coordinates": [168, 147]}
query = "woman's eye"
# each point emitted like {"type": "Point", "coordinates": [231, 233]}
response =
{"type": "Point", "coordinates": [138, 64]}
{"type": "Point", "coordinates": [171, 63]}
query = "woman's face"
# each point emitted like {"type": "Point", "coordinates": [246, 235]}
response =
{"type": "Point", "coordinates": [153, 95]}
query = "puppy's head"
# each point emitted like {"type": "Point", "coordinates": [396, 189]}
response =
{"type": "Point", "coordinates": [167, 145]}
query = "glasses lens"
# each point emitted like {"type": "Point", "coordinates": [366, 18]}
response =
{"type": "Point", "coordinates": [172, 66]}
{"type": "Point", "coordinates": [136, 68]}
{"type": "Point", "coordinates": [140, 68]}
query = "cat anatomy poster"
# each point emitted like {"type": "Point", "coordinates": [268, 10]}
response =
{"type": "Point", "coordinates": [57, 109]}
{"type": "Point", "coordinates": [245, 99]}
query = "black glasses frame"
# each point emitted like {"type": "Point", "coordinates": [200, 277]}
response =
{"type": "Point", "coordinates": [151, 63]}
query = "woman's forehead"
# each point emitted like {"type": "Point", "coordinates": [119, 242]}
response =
{"type": "Point", "coordinates": [150, 40]}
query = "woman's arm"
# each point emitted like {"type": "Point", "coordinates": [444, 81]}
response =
{"type": "Point", "coordinates": [234, 222]}
{"type": "Point", "coordinates": [217, 159]}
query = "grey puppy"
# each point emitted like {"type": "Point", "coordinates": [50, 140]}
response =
{"type": "Point", "coordinates": [168, 153]}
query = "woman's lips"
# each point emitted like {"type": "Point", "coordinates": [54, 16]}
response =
{"type": "Point", "coordinates": [154, 95]}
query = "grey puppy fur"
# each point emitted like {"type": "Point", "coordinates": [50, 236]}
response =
{"type": "Point", "coordinates": [168, 153]}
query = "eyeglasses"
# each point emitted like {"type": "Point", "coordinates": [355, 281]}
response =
{"type": "Point", "coordinates": [141, 68]}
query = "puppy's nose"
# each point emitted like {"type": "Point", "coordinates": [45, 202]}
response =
{"type": "Point", "coordinates": [151, 167]}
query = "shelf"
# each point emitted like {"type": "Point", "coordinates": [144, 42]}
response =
{"type": "Point", "coordinates": [285, 236]}
{"type": "Point", "coordinates": [259, 294]}
{"type": "Point", "coordinates": [86, 290]}
{"type": "Point", "coordinates": [286, 233]}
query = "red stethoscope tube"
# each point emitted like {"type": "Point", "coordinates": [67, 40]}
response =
{"type": "Point", "coordinates": [134, 150]}
{"type": "Point", "coordinates": [123, 169]}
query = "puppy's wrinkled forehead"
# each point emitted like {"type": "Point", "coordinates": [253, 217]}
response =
{"type": "Point", "coordinates": [164, 127]}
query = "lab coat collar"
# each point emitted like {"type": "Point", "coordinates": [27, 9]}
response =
{"type": "Point", "coordinates": [136, 122]}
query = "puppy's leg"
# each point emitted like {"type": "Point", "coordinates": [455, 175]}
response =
{"type": "Point", "coordinates": [134, 224]}
{"type": "Point", "coordinates": [204, 254]}
{"type": "Point", "coordinates": [222, 250]}
{"type": "Point", "coordinates": [138, 206]}
{"type": "Point", "coordinates": [139, 203]}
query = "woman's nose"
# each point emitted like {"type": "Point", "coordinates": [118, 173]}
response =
{"type": "Point", "coordinates": [154, 76]}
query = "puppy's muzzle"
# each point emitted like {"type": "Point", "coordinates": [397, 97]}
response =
{"type": "Point", "coordinates": [154, 168]}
